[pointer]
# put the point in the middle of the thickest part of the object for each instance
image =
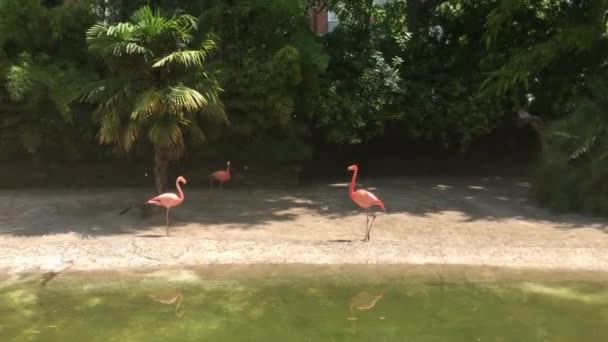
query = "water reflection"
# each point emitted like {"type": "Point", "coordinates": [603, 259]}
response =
{"type": "Point", "coordinates": [46, 277]}
{"type": "Point", "coordinates": [171, 298]}
{"type": "Point", "coordinates": [362, 301]}
{"type": "Point", "coordinates": [304, 305]}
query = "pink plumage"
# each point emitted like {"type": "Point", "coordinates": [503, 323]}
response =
{"type": "Point", "coordinates": [169, 200]}
{"type": "Point", "coordinates": [364, 199]}
{"type": "Point", "coordinates": [220, 176]}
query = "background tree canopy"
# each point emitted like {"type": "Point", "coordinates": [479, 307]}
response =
{"type": "Point", "coordinates": [400, 76]}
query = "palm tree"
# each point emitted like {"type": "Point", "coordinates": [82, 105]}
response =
{"type": "Point", "coordinates": [156, 85]}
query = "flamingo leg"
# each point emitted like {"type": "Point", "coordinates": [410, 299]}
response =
{"type": "Point", "coordinates": [167, 219]}
{"type": "Point", "coordinates": [369, 229]}
{"type": "Point", "coordinates": [366, 223]}
{"type": "Point", "coordinates": [354, 319]}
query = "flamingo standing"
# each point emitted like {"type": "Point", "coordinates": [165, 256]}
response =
{"type": "Point", "coordinates": [365, 200]}
{"type": "Point", "coordinates": [220, 176]}
{"type": "Point", "coordinates": [169, 199]}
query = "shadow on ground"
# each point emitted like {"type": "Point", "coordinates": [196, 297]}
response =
{"type": "Point", "coordinates": [95, 212]}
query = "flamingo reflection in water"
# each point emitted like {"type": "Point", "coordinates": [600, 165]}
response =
{"type": "Point", "coordinates": [174, 298]}
{"type": "Point", "coordinates": [362, 301]}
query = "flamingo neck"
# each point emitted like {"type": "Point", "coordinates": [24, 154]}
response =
{"type": "Point", "coordinates": [351, 188]}
{"type": "Point", "coordinates": [228, 170]}
{"type": "Point", "coordinates": [180, 193]}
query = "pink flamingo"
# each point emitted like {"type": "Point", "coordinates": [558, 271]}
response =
{"type": "Point", "coordinates": [365, 200]}
{"type": "Point", "coordinates": [169, 200]}
{"type": "Point", "coordinates": [220, 176]}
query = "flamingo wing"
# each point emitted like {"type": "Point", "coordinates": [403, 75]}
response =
{"type": "Point", "coordinates": [167, 199]}
{"type": "Point", "coordinates": [220, 175]}
{"type": "Point", "coordinates": [367, 199]}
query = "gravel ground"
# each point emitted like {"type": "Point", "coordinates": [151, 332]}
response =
{"type": "Point", "coordinates": [454, 221]}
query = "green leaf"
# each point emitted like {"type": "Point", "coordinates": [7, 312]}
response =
{"type": "Point", "coordinates": [186, 99]}
{"type": "Point", "coordinates": [144, 95]}
{"type": "Point", "coordinates": [147, 104]}
{"type": "Point", "coordinates": [165, 134]}
{"type": "Point", "coordinates": [186, 58]}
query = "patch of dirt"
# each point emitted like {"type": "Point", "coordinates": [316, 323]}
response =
{"type": "Point", "coordinates": [458, 221]}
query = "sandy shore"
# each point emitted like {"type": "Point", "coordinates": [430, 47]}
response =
{"type": "Point", "coordinates": [109, 254]}
{"type": "Point", "coordinates": [481, 222]}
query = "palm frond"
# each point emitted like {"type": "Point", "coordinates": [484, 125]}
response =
{"type": "Point", "coordinates": [97, 94]}
{"type": "Point", "coordinates": [147, 104]}
{"type": "Point", "coordinates": [114, 40]}
{"type": "Point", "coordinates": [100, 29]}
{"type": "Point", "coordinates": [184, 99]}
{"type": "Point", "coordinates": [211, 94]}
{"type": "Point", "coordinates": [109, 128]}
{"type": "Point", "coordinates": [196, 134]}
{"type": "Point", "coordinates": [215, 111]}
{"type": "Point", "coordinates": [102, 91]}
{"type": "Point", "coordinates": [144, 13]}
{"type": "Point", "coordinates": [154, 26]}
{"type": "Point", "coordinates": [165, 134]}
{"type": "Point", "coordinates": [120, 30]}
{"type": "Point", "coordinates": [208, 45]}
{"type": "Point", "coordinates": [186, 58]}
{"type": "Point", "coordinates": [105, 30]}
{"type": "Point", "coordinates": [151, 23]}
{"type": "Point", "coordinates": [102, 45]}
{"type": "Point", "coordinates": [131, 133]}
{"type": "Point", "coordinates": [186, 22]}
{"type": "Point", "coordinates": [128, 48]}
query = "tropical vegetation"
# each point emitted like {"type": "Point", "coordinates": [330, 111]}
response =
{"type": "Point", "coordinates": [103, 80]}
{"type": "Point", "coordinates": [156, 85]}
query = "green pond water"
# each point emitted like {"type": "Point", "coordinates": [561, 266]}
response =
{"type": "Point", "coordinates": [307, 304]}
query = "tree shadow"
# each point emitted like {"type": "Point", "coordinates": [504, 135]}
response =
{"type": "Point", "coordinates": [475, 199]}
{"type": "Point", "coordinates": [95, 212]}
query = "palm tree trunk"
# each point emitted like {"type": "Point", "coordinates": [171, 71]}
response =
{"type": "Point", "coordinates": [161, 165]}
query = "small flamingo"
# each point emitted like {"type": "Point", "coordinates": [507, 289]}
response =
{"type": "Point", "coordinates": [169, 200]}
{"type": "Point", "coordinates": [365, 200]}
{"type": "Point", "coordinates": [220, 176]}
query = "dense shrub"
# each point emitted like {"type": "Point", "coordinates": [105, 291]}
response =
{"type": "Point", "coordinates": [571, 175]}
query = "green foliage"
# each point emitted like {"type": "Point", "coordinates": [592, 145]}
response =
{"type": "Point", "coordinates": [363, 84]}
{"type": "Point", "coordinates": [150, 66]}
{"type": "Point", "coordinates": [357, 108]}
{"type": "Point", "coordinates": [379, 76]}
{"type": "Point", "coordinates": [270, 64]}
{"type": "Point", "coordinates": [36, 81]}
{"type": "Point", "coordinates": [537, 42]}
{"type": "Point", "coordinates": [448, 71]}
{"type": "Point", "coordinates": [518, 53]}
{"type": "Point", "coordinates": [157, 87]}
{"type": "Point", "coordinates": [534, 39]}
{"type": "Point", "coordinates": [43, 63]}
{"type": "Point", "coordinates": [445, 68]}
{"type": "Point", "coordinates": [571, 175]}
